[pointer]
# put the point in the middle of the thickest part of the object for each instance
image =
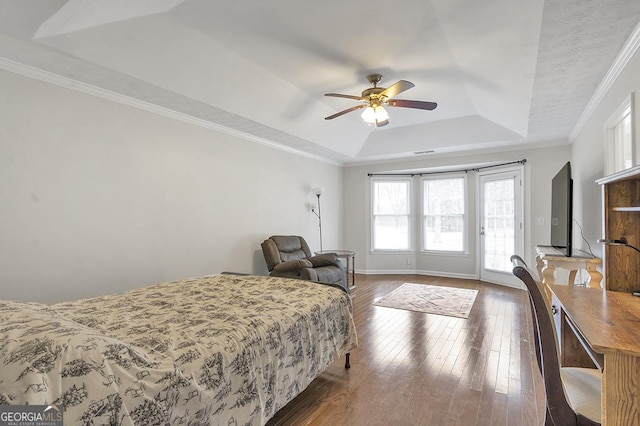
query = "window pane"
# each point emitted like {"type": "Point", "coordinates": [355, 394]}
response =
{"type": "Point", "coordinates": [444, 196]}
{"type": "Point", "coordinates": [444, 209]}
{"type": "Point", "coordinates": [391, 233]}
{"type": "Point", "coordinates": [499, 230]}
{"type": "Point", "coordinates": [391, 198]}
{"type": "Point", "coordinates": [391, 205]}
{"type": "Point", "coordinates": [622, 143]}
{"type": "Point", "coordinates": [626, 144]}
{"type": "Point", "coordinates": [444, 232]}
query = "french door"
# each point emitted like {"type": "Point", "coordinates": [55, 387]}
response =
{"type": "Point", "coordinates": [501, 225]}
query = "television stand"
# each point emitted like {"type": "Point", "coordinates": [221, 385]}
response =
{"type": "Point", "coordinates": [549, 258]}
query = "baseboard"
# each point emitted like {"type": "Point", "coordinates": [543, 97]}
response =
{"type": "Point", "coordinates": [435, 274]}
{"type": "Point", "coordinates": [506, 284]}
{"type": "Point", "coordinates": [416, 272]}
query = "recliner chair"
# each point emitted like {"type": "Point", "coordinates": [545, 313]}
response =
{"type": "Point", "coordinates": [289, 256]}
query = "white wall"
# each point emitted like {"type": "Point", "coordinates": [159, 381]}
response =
{"type": "Point", "coordinates": [587, 154]}
{"type": "Point", "coordinates": [97, 197]}
{"type": "Point", "coordinates": [541, 166]}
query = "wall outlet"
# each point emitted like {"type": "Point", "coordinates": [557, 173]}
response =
{"type": "Point", "coordinates": [408, 261]}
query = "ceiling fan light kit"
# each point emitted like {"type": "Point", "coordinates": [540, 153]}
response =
{"type": "Point", "coordinates": [375, 115]}
{"type": "Point", "coordinates": [375, 98]}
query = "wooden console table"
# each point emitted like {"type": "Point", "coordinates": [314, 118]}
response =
{"type": "Point", "coordinates": [549, 258]}
{"type": "Point", "coordinates": [605, 324]}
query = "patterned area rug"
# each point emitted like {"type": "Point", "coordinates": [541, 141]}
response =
{"type": "Point", "coordinates": [431, 299]}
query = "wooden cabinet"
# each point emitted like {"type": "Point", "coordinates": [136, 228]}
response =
{"type": "Point", "coordinates": [621, 216]}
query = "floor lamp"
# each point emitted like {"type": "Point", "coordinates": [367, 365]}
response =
{"type": "Point", "coordinates": [318, 191]}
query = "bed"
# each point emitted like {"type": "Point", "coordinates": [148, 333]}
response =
{"type": "Point", "coordinates": [226, 349]}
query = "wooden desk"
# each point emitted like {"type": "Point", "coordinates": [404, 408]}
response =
{"type": "Point", "coordinates": [608, 322]}
{"type": "Point", "coordinates": [549, 258]}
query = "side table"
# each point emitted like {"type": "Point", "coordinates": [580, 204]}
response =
{"type": "Point", "coordinates": [350, 267]}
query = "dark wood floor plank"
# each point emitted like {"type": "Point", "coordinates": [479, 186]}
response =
{"type": "Point", "coordinates": [412, 368]}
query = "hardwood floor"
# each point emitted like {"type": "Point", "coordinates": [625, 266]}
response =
{"type": "Point", "coordinates": [413, 368]}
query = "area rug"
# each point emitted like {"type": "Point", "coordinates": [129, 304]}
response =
{"type": "Point", "coordinates": [431, 299]}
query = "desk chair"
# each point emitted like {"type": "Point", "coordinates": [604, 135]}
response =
{"type": "Point", "coordinates": [572, 394]}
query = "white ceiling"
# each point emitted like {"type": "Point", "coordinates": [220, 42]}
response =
{"type": "Point", "coordinates": [504, 72]}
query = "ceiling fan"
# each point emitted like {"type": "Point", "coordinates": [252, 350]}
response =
{"type": "Point", "coordinates": [375, 98]}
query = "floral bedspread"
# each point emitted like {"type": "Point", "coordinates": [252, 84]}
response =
{"type": "Point", "coordinates": [228, 350]}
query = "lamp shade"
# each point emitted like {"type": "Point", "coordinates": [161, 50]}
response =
{"type": "Point", "coordinates": [317, 190]}
{"type": "Point", "coordinates": [375, 114]}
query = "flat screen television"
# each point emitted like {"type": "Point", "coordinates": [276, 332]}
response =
{"type": "Point", "coordinates": [562, 210]}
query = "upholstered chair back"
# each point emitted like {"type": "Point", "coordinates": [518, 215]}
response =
{"type": "Point", "coordinates": [282, 248]}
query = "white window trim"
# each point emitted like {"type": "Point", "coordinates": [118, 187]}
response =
{"type": "Point", "coordinates": [410, 249]}
{"type": "Point", "coordinates": [465, 232]}
{"type": "Point", "coordinates": [627, 107]}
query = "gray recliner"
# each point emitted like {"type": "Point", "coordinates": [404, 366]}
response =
{"type": "Point", "coordinates": [289, 256]}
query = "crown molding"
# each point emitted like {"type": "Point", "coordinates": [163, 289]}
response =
{"type": "Point", "coordinates": [628, 50]}
{"type": "Point", "coordinates": [99, 92]}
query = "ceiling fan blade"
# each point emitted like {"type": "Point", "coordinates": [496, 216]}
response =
{"type": "Point", "coordinates": [396, 88]}
{"type": "Point", "coordinates": [412, 104]}
{"type": "Point", "coordinates": [338, 114]}
{"type": "Point", "coordinates": [339, 95]}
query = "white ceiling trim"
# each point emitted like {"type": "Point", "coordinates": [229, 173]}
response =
{"type": "Point", "coordinates": [99, 92]}
{"type": "Point", "coordinates": [621, 61]}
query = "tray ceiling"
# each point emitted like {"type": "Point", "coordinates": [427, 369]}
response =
{"type": "Point", "coordinates": [505, 73]}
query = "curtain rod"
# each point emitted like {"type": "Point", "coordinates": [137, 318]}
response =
{"type": "Point", "coordinates": [523, 161]}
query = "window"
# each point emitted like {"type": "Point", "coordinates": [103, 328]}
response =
{"type": "Point", "coordinates": [444, 214]}
{"type": "Point", "coordinates": [622, 148]}
{"type": "Point", "coordinates": [619, 138]}
{"type": "Point", "coordinates": [391, 214]}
